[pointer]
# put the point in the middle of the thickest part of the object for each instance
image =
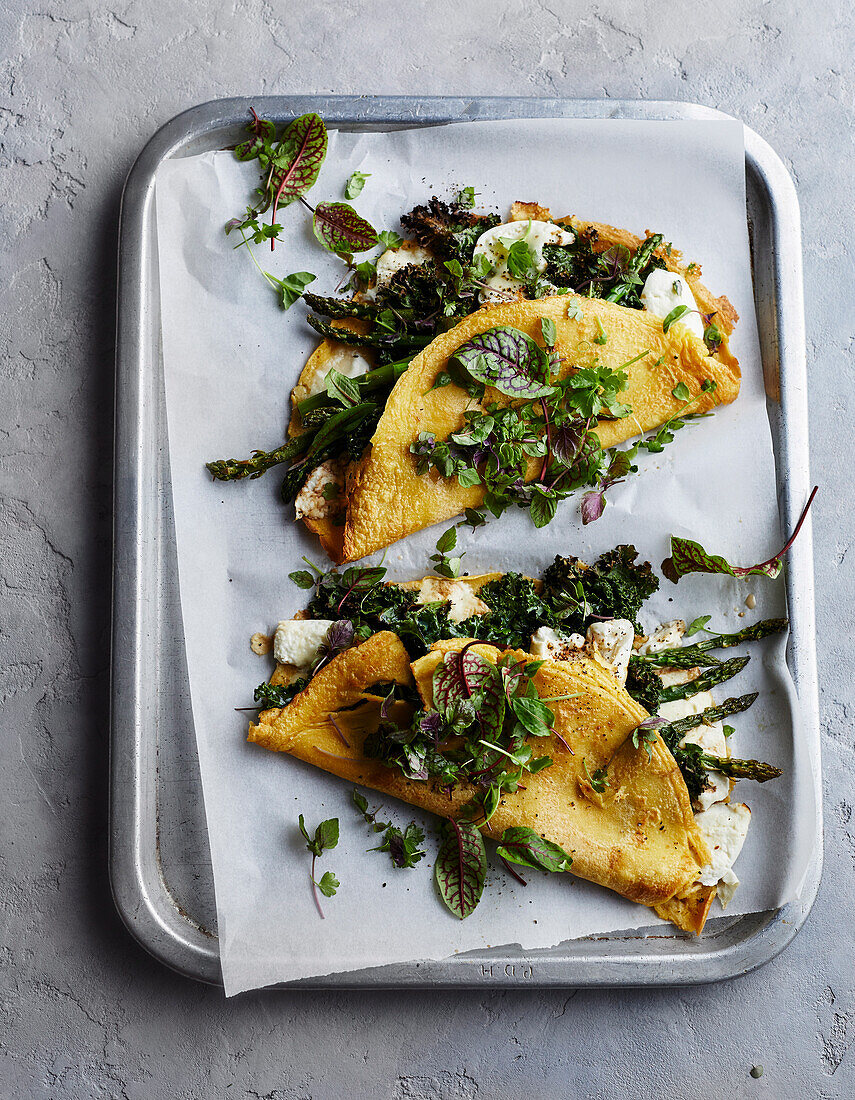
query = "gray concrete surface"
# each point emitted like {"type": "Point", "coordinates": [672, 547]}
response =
{"type": "Point", "coordinates": [83, 1011]}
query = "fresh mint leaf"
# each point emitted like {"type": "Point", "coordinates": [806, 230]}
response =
{"type": "Point", "coordinates": [291, 287]}
{"type": "Point", "coordinates": [302, 578]}
{"type": "Point", "coordinates": [356, 182]}
{"type": "Point", "coordinates": [461, 867]}
{"type": "Point", "coordinates": [548, 331]}
{"type": "Point", "coordinates": [447, 541]}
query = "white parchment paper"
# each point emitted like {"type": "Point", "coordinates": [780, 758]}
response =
{"type": "Point", "coordinates": [231, 357]}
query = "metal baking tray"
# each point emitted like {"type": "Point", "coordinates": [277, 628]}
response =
{"type": "Point", "coordinates": [159, 860]}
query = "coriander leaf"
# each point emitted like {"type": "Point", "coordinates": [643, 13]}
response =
{"type": "Point", "coordinates": [688, 556]}
{"type": "Point", "coordinates": [461, 867]}
{"type": "Point", "coordinates": [574, 313]}
{"type": "Point", "coordinates": [526, 847]}
{"type": "Point", "coordinates": [466, 197]}
{"type": "Point", "coordinates": [328, 884]}
{"type": "Point", "coordinates": [354, 185]}
{"type": "Point", "coordinates": [389, 239]}
{"type": "Point", "coordinates": [681, 392]}
{"type": "Point", "coordinates": [599, 780]}
{"type": "Point", "coordinates": [291, 287]}
{"type": "Point", "coordinates": [340, 229]}
{"type": "Point", "coordinates": [676, 313]}
{"type": "Point", "coordinates": [508, 360]}
{"type": "Point", "coordinates": [520, 259]}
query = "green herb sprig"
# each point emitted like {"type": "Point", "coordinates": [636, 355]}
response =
{"type": "Point", "coordinates": [325, 839]}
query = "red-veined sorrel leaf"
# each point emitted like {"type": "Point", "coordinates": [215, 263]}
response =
{"type": "Point", "coordinates": [460, 675]}
{"type": "Point", "coordinates": [688, 556]}
{"type": "Point", "coordinates": [340, 229]}
{"type": "Point", "coordinates": [461, 867]}
{"type": "Point", "coordinates": [506, 359]}
{"type": "Point", "coordinates": [307, 136]}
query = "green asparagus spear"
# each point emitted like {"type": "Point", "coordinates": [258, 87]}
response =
{"type": "Point", "coordinates": [233, 469]}
{"type": "Point", "coordinates": [757, 770]}
{"type": "Point", "coordinates": [367, 383]}
{"type": "Point", "coordinates": [705, 681]}
{"type": "Point", "coordinates": [376, 339]}
{"type": "Point", "coordinates": [673, 732]}
{"type": "Point", "coordinates": [340, 307]}
{"type": "Point", "coordinates": [635, 266]}
{"type": "Point", "coordinates": [670, 657]}
{"type": "Point", "coordinates": [687, 657]}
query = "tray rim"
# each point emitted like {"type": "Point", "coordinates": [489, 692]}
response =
{"type": "Point", "coordinates": [139, 886]}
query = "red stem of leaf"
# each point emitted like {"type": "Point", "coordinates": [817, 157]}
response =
{"type": "Point", "coordinates": [548, 454]}
{"type": "Point", "coordinates": [298, 155]}
{"type": "Point", "coordinates": [337, 729]}
{"type": "Point", "coordinates": [511, 871]}
{"type": "Point", "coordinates": [798, 528]}
{"type": "Point", "coordinates": [461, 892]}
{"type": "Point", "coordinates": [315, 890]}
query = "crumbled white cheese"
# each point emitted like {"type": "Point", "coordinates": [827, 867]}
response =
{"type": "Point", "coordinates": [298, 641]}
{"type": "Point", "coordinates": [726, 888]}
{"type": "Point", "coordinates": [496, 242]}
{"type": "Point", "coordinates": [723, 827]}
{"type": "Point", "coordinates": [670, 677]}
{"type": "Point", "coordinates": [310, 502]}
{"type": "Point", "coordinates": [347, 361]}
{"type": "Point", "coordinates": [612, 642]}
{"type": "Point", "coordinates": [464, 602]}
{"type": "Point", "coordinates": [393, 259]}
{"type": "Point", "coordinates": [666, 636]}
{"type": "Point", "coordinates": [663, 291]}
{"type": "Point", "coordinates": [548, 645]}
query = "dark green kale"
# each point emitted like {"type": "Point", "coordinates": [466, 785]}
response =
{"type": "Point", "coordinates": [268, 696]}
{"type": "Point", "coordinates": [644, 684]}
{"type": "Point", "coordinates": [358, 594]}
{"type": "Point", "coordinates": [615, 273]}
{"type": "Point", "coordinates": [516, 612]}
{"type": "Point", "coordinates": [615, 587]}
{"type": "Point", "coordinates": [448, 230]}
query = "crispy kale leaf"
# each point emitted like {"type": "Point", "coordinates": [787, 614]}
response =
{"type": "Point", "coordinates": [448, 230]}
{"type": "Point", "coordinates": [516, 611]}
{"type": "Point", "coordinates": [614, 587]}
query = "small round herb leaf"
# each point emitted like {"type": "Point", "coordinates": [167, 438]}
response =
{"type": "Point", "coordinates": [508, 360]}
{"type": "Point", "coordinates": [461, 867]}
{"type": "Point", "coordinates": [340, 229]}
{"type": "Point", "coordinates": [355, 184]}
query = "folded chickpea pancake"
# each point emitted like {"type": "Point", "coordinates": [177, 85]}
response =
{"type": "Point", "coordinates": [535, 711]}
{"type": "Point", "coordinates": [548, 341]}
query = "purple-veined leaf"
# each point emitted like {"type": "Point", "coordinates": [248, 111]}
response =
{"type": "Point", "coordinates": [593, 505]}
{"type": "Point", "coordinates": [566, 441]}
{"type": "Point", "coordinates": [506, 359]}
{"type": "Point", "coordinates": [463, 675]}
{"type": "Point", "coordinates": [461, 867]}
{"type": "Point", "coordinates": [307, 135]}
{"type": "Point", "coordinates": [688, 556]}
{"type": "Point", "coordinates": [528, 848]}
{"type": "Point", "coordinates": [340, 229]}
